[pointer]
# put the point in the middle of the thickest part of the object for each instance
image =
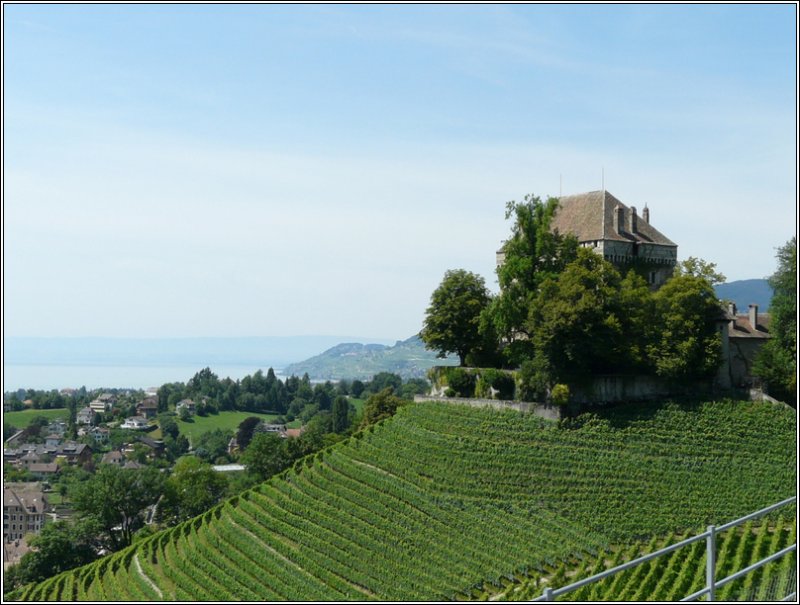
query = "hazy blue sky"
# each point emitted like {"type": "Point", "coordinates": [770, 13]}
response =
{"type": "Point", "coordinates": [261, 170]}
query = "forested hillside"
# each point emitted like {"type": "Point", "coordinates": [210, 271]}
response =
{"type": "Point", "coordinates": [355, 361]}
{"type": "Point", "coordinates": [440, 499]}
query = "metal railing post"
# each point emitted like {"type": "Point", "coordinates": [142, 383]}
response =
{"type": "Point", "coordinates": [711, 560]}
{"type": "Point", "coordinates": [548, 594]}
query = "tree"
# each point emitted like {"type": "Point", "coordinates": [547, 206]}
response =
{"type": "Point", "coordinates": [576, 319]}
{"type": "Point", "coordinates": [776, 363]}
{"type": "Point", "coordinates": [379, 406]}
{"type": "Point", "coordinates": [212, 445]}
{"type": "Point", "coordinates": [685, 342]}
{"type": "Point", "coordinates": [168, 425]}
{"type": "Point", "coordinates": [192, 489]}
{"type": "Point", "coordinates": [116, 499]}
{"type": "Point", "coordinates": [341, 414]}
{"type": "Point", "coordinates": [697, 267]}
{"type": "Point", "coordinates": [245, 433]}
{"type": "Point", "coordinates": [384, 380]}
{"type": "Point", "coordinates": [266, 456]}
{"type": "Point", "coordinates": [452, 320]}
{"type": "Point", "coordinates": [60, 546]}
{"type": "Point", "coordinates": [356, 388]}
{"type": "Point", "coordinates": [532, 254]}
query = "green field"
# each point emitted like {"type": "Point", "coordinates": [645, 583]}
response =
{"type": "Point", "coordinates": [224, 420]}
{"type": "Point", "coordinates": [441, 500]}
{"type": "Point", "coordinates": [22, 419]}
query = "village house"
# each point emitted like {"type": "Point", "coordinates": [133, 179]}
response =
{"type": "Point", "coordinates": [99, 434]}
{"type": "Point", "coordinates": [85, 416]}
{"type": "Point", "coordinates": [74, 453]}
{"type": "Point", "coordinates": [100, 406]}
{"type": "Point", "coordinates": [53, 439]}
{"type": "Point", "coordinates": [43, 470]}
{"type": "Point", "coordinates": [57, 427]}
{"type": "Point", "coordinates": [155, 447]}
{"type": "Point", "coordinates": [13, 552]}
{"type": "Point", "coordinates": [136, 423]}
{"type": "Point", "coordinates": [108, 399]}
{"type": "Point", "coordinates": [742, 334]}
{"type": "Point", "coordinates": [147, 408]}
{"type": "Point", "coordinates": [186, 404]}
{"type": "Point", "coordinates": [24, 506]}
{"type": "Point", "coordinates": [115, 457]}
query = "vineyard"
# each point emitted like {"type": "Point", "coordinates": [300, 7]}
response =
{"type": "Point", "coordinates": [680, 573]}
{"type": "Point", "coordinates": [442, 501]}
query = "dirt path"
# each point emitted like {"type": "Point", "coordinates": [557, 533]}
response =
{"type": "Point", "coordinates": [144, 576]}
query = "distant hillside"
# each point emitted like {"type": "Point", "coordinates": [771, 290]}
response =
{"type": "Point", "coordinates": [408, 358]}
{"type": "Point", "coordinates": [745, 292]}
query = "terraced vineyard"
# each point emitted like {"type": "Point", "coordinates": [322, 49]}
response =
{"type": "Point", "coordinates": [442, 499]}
{"type": "Point", "coordinates": [680, 573]}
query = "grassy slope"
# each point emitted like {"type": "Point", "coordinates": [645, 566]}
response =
{"type": "Point", "coordinates": [23, 418]}
{"type": "Point", "coordinates": [223, 420]}
{"type": "Point", "coordinates": [434, 502]}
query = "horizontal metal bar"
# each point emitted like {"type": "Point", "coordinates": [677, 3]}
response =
{"type": "Point", "coordinates": [696, 595]}
{"type": "Point", "coordinates": [755, 566]}
{"type": "Point", "coordinates": [756, 514]}
{"type": "Point", "coordinates": [629, 564]}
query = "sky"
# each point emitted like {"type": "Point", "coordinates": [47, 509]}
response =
{"type": "Point", "coordinates": [280, 170]}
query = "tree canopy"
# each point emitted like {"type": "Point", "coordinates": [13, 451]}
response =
{"type": "Point", "coordinates": [532, 254]}
{"type": "Point", "coordinates": [452, 320]}
{"type": "Point", "coordinates": [777, 360]}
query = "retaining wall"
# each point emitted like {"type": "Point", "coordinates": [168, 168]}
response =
{"type": "Point", "coordinates": [537, 409]}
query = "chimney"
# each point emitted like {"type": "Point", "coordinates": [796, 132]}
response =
{"type": "Point", "coordinates": [732, 309]}
{"type": "Point", "coordinates": [632, 220]}
{"type": "Point", "coordinates": [646, 214]}
{"type": "Point", "coordinates": [619, 219]}
{"type": "Point", "coordinates": [753, 313]}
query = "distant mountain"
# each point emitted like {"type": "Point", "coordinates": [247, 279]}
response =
{"type": "Point", "coordinates": [745, 292]}
{"type": "Point", "coordinates": [408, 358]}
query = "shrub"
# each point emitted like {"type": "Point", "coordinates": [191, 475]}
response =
{"type": "Point", "coordinates": [461, 381]}
{"type": "Point", "coordinates": [500, 381]}
{"type": "Point", "coordinates": [560, 394]}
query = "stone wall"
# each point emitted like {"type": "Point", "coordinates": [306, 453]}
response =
{"type": "Point", "coordinates": [615, 389]}
{"type": "Point", "coordinates": [537, 409]}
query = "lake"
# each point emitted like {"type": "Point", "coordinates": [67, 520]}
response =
{"type": "Point", "coordinates": [53, 376]}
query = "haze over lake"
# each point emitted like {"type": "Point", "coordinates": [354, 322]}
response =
{"type": "Point", "coordinates": [55, 363]}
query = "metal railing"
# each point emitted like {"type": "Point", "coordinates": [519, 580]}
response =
{"type": "Point", "coordinates": [710, 536]}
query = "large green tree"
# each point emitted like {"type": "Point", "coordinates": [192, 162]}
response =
{"type": "Point", "coordinates": [685, 342]}
{"type": "Point", "coordinates": [191, 490]}
{"type": "Point", "coordinates": [379, 406]}
{"type": "Point", "coordinates": [576, 321]}
{"type": "Point", "coordinates": [776, 363]}
{"type": "Point", "coordinates": [266, 455]}
{"type": "Point", "coordinates": [117, 498]}
{"type": "Point", "coordinates": [532, 254]}
{"type": "Point", "coordinates": [452, 320]}
{"type": "Point", "coordinates": [59, 546]}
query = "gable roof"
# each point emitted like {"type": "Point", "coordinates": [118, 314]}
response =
{"type": "Point", "coordinates": [29, 497]}
{"type": "Point", "coordinates": [590, 217]}
{"type": "Point", "coordinates": [740, 327]}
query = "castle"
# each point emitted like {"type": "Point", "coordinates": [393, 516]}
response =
{"type": "Point", "coordinates": [610, 228]}
{"type": "Point", "coordinates": [604, 224]}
